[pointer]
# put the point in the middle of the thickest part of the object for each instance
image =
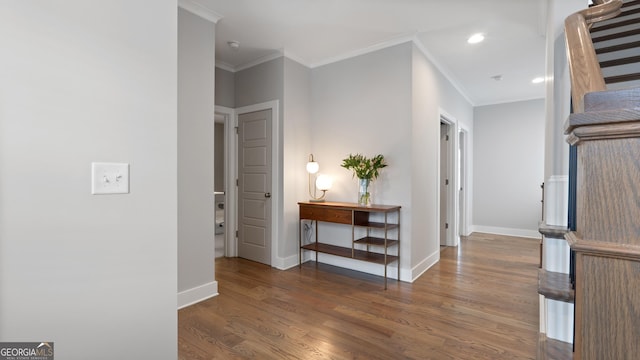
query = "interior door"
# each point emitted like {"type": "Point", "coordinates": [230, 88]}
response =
{"type": "Point", "coordinates": [254, 186]}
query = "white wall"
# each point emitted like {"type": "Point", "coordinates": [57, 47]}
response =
{"type": "Point", "coordinates": [508, 167]}
{"type": "Point", "coordinates": [87, 81]}
{"type": "Point", "coordinates": [296, 146]}
{"type": "Point", "coordinates": [196, 202]}
{"type": "Point", "coordinates": [261, 83]}
{"type": "Point", "coordinates": [557, 317]}
{"type": "Point", "coordinates": [363, 105]}
{"type": "Point", "coordinates": [225, 88]}
{"type": "Point", "coordinates": [432, 94]}
{"type": "Point", "coordinates": [558, 107]}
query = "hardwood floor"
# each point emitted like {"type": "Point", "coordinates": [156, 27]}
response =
{"type": "Point", "coordinates": [479, 302]}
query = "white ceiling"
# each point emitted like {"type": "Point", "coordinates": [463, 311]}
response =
{"type": "Point", "coordinates": [317, 32]}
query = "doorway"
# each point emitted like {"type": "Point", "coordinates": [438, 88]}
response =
{"type": "Point", "coordinates": [225, 173]}
{"type": "Point", "coordinates": [219, 186]}
{"type": "Point", "coordinates": [445, 187]}
{"type": "Point", "coordinates": [449, 180]}
{"type": "Point", "coordinates": [462, 192]}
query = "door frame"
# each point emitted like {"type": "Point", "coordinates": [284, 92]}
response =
{"type": "Point", "coordinates": [453, 237]}
{"type": "Point", "coordinates": [230, 171]}
{"type": "Point", "coordinates": [276, 184]}
{"type": "Point", "coordinates": [464, 183]}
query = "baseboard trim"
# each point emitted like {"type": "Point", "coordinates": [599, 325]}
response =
{"type": "Point", "coordinates": [362, 266]}
{"type": "Point", "coordinates": [534, 234]}
{"type": "Point", "coordinates": [424, 265]}
{"type": "Point", "coordinates": [286, 263]}
{"type": "Point", "coordinates": [197, 294]}
{"type": "Point", "coordinates": [406, 275]}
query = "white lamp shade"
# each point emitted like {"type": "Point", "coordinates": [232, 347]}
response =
{"type": "Point", "coordinates": [313, 167]}
{"type": "Point", "coordinates": [324, 182]}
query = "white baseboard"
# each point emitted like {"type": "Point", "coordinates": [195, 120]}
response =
{"type": "Point", "coordinates": [286, 263]}
{"type": "Point", "coordinates": [362, 266]}
{"type": "Point", "coordinates": [406, 275]}
{"type": "Point", "coordinates": [197, 294]}
{"type": "Point", "coordinates": [534, 234]}
{"type": "Point", "coordinates": [424, 265]}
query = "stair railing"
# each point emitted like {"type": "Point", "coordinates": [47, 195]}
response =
{"type": "Point", "coordinates": [586, 75]}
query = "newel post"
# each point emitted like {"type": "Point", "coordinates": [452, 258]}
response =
{"type": "Point", "coordinates": [607, 236]}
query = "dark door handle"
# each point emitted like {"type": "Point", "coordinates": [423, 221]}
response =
{"type": "Point", "coordinates": [267, 195]}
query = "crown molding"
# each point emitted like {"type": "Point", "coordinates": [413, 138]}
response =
{"type": "Point", "coordinates": [224, 66]}
{"type": "Point", "coordinates": [509, 101]}
{"type": "Point", "coordinates": [197, 8]}
{"type": "Point", "coordinates": [396, 41]}
{"type": "Point", "coordinates": [276, 54]}
{"type": "Point", "coordinates": [291, 56]}
{"type": "Point", "coordinates": [363, 51]}
{"type": "Point", "coordinates": [442, 69]}
{"type": "Point", "coordinates": [383, 45]}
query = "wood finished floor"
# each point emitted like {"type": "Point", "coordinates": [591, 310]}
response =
{"type": "Point", "coordinates": [479, 302]}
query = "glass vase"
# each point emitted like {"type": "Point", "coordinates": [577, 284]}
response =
{"type": "Point", "coordinates": [364, 196]}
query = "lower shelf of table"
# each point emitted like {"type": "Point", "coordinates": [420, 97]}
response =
{"type": "Point", "coordinates": [346, 252]}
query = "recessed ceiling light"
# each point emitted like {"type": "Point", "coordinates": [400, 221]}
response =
{"type": "Point", "coordinates": [538, 80]}
{"type": "Point", "coordinates": [475, 38]}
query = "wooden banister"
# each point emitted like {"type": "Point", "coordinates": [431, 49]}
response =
{"type": "Point", "coordinates": [586, 75]}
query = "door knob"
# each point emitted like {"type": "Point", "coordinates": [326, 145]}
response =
{"type": "Point", "coordinates": [267, 195]}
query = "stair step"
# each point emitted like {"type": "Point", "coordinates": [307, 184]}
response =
{"type": "Point", "coordinates": [619, 35]}
{"type": "Point", "coordinates": [552, 231]}
{"type": "Point", "coordinates": [555, 286]}
{"type": "Point", "coordinates": [615, 25]}
{"type": "Point", "coordinates": [626, 3]}
{"type": "Point", "coordinates": [551, 349]}
{"type": "Point", "coordinates": [631, 3]}
{"type": "Point", "coordinates": [622, 78]}
{"type": "Point", "coordinates": [629, 12]}
{"type": "Point", "coordinates": [618, 103]}
{"type": "Point", "coordinates": [621, 61]}
{"type": "Point", "coordinates": [625, 46]}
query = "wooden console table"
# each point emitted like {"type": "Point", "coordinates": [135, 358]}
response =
{"type": "Point", "coordinates": [379, 234]}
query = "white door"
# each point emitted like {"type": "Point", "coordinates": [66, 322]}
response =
{"type": "Point", "coordinates": [254, 186]}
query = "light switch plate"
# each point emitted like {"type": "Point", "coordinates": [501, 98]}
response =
{"type": "Point", "coordinates": [109, 178]}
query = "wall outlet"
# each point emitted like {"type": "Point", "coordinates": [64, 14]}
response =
{"type": "Point", "coordinates": [109, 178]}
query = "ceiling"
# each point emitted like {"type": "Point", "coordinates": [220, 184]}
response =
{"type": "Point", "coordinates": [318, 32]}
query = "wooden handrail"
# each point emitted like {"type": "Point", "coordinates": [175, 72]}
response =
{"type": "Point", "coordinates": [584, 67]}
